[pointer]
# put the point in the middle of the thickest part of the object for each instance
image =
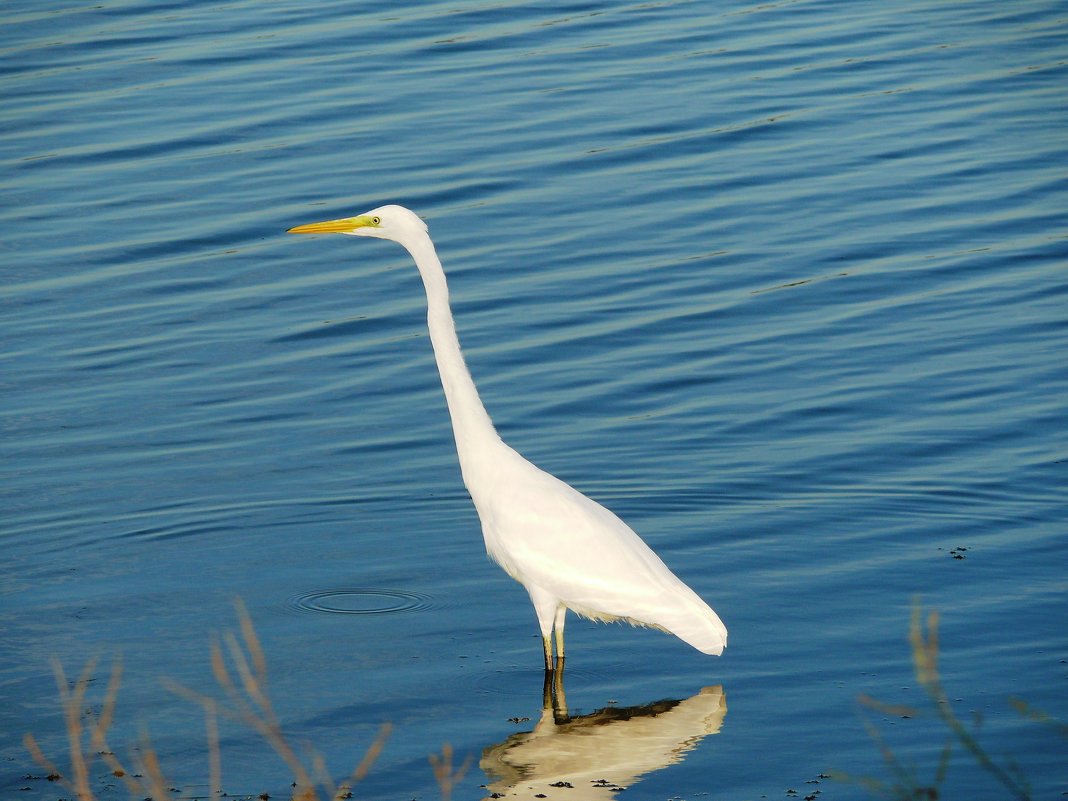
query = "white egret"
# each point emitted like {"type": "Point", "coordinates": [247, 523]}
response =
{"type": "Point", "coordinates": [568, 551]}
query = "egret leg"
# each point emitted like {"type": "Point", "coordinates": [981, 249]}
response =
{"type": "Point", "coordinates": [558, 628]}
{"type": "Point", "coordinates": [547, 607]}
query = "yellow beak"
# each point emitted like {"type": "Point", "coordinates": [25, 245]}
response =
{"type": "Point", "coordinates": [343, 226]}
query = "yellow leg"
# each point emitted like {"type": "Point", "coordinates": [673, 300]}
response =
{"type": "Point", "coordinates": [558, 628]}
{"type": "Point", "coordinates": [548, 609]}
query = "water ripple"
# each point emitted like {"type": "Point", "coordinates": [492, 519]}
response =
{"type": "Point", "coordinates": [360, 601]}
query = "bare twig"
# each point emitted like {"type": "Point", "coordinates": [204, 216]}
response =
{"type": "Point", "coordinates": [369, 757]}
{"type": "Point", "coordinates": [73, 703]}
{"type": "Point", "coordinates": [99, 730]}
{"type": "Point", "coordinates": [925, 663]}
{"type": "Point", "coordinates": [446, 777]}
{"type": "Point", "coordinates": [1037, 715]}
{"type": "Point", "coordinates": [39, 757]}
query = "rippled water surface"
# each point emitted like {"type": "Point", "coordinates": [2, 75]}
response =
{"type": "Point", "coordinates": [785, 285]}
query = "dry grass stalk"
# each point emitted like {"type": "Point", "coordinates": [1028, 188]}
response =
{"type": "Point", "coordinates": [925, 664]}
{"type": "Point", "coordinates": [247, 700]}
{"type": "Point", "coordinates": [446, 777]}
{"type": "Point", "coordinates": [1038, 716]}
{"type": "Point", "coordinates": [923, 639]}
{"type": "Point", "coordinates": [78, 781]}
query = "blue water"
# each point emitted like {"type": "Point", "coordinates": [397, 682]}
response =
{"type": "Point", "coordinates": [785, 285]}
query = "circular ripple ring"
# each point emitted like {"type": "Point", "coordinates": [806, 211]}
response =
{"type": "Point", "coordinates": [360, 601]}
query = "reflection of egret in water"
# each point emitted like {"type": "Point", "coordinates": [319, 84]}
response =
{"type": "Point", "coordinates": [591, 757]}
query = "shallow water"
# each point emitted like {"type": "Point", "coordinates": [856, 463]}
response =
{"type": "Point", "coordinates": [784, 285]}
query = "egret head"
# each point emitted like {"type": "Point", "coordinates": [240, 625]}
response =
{"type": "Point", "coordinates": [385, 222]}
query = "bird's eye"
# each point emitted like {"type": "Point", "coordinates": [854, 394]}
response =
{"type": "Point", "coordinates": [376, 221]}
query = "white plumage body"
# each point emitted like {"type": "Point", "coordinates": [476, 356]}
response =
{"type": "Point", "coordinates": [568, 549]}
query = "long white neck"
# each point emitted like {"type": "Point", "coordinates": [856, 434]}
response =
{"type": "Point", "coordinates": [476, 438]}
